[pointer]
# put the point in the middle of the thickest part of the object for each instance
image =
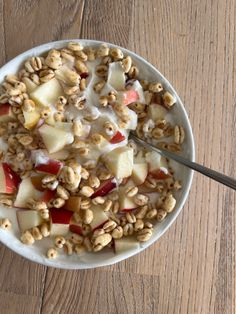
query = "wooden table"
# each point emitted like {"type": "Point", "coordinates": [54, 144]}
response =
{"type": "Point", "coordinates": [192, 268]}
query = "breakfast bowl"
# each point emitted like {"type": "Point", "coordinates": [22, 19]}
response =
{"type": "Point", "coordinates": [42, 83]}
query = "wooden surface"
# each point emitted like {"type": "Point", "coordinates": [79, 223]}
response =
{"type": "Point", "coordinates": [192, 268]}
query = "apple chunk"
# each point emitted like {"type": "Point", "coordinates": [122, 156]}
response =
{"type": "Point", "coordinates": [117, 138]}
{"type": "Point", "coordinates": [60, 220]}
{"type": "Point", "coordinates": [125, 244]}
{"type": "Point", "coordinates": [126, 203]}
{"type": "Point", "coordinates": [25, 192]}
{"type": "Point", "coordinates": [51, 166]}
{"type": "Point", "coordinates": [73, 203]}
{"type": "Point", "coordinates": [156, 112]}
{"type": "Point", "coordinates": [128, 97]}
{"type": "Point", "coordinates": [140, 172]}
{"type": "Point", "coordinates": [157, 165]}
{"type": "Point", "coordinates": [31, 119]}
{"type": "Point", "coordinates": [54, 139]}
{"type": "Point", "coordinates": [30, 85]}
{"type": "Point", "coordinates": [120, 161]}
{"type": "Point", "coordinates": [28, 219]}
{"type": "Point", "coordinates": [106, 187]}
{"type": "Point", "coordinates": [116, 76]}
{"type": "Point", "coordinates": [6, 114]}
{"type": "Point", "coordinates": [99, 217]}
{"type": "Point", "coordinates": [47, 93]}
{"type": "Point", "coordinates": [9, 180]}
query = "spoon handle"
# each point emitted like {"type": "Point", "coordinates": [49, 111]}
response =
{"type": "Point", "coordinates": [215, 175]}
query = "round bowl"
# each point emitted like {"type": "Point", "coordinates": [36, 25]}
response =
{"type": "Point", "coordinates": [36, 253]}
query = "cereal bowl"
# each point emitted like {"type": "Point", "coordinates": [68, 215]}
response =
{"type": "Point", "coordinates": [85, 260]}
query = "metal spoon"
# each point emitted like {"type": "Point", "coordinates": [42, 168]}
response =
{"type": "Point", "coordinates": [217, 176]}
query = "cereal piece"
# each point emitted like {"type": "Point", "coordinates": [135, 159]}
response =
{"type": "Point", "coordinates": [62, 192]}
{"type": "Point", "coordinates": [127, 63]}
{"type": "Point", "coordinates": [26, 140]}
{"type": "Point", "coordinates": [75, 46]}
{"type": "Point", "coordinates": [101, 70]}
{"type": "Point", "coordinates": [157, 133]}
{"type": "Point", "coordinates": [27, 238]}
{"type": "Point", "coordinates": [107, 205]}
{"type": "Point", "coordinates": [142, 212]}
{"type": "Point", "coordinates": [102, 51]}
{"type": "Point", "coordinates": [71, 90]}
{"type": "Point", "coordinates": [103, 101]}
{"type": "Point", "coordinates": [87, 216]}
{"type": "Point", "coordinates": [80, 66]}
{"type": "Point", "coordinates": [59, 242]}
{"type": "Point", "coordinates": [83, 84]}
{"type": "Point", "coordinates": [97, 87]}
{"type": "Point", "coordinates": [68, 247]}
{"type": "Point", "coordinates": [179, 134]}
{"type": "Point", "coordinates": [117, 233]}
{"type": "Point", "coordinates": [52, 253]}
{"type": "Point", "coordinates": [88, 244]}
{"type": "Point", "coordinates": [116, 54]}
{"type": "Point", "coordinates": [144, 235]}
{"type": "Point", "coordinates": [128, 229]}
{"type": "Point", "coordinates": [76, 239]}
{"type": "Point", "coordinates": [46, 75]}
{"type": "Point", "coordinates": [98, 200]}
{"type": "Point", "coordinates": [168, 99]}
{"type": "Point", "coordinates": [102, 240]}
{"type": "Point", "coordinates": [44, 214]}
{"type": "Point", "coordinates": [151, 214]}
{"type": "Point", "coordinates": [169, 203]}
{"type": "Point", "coordinates": [94, 181]}
{"type": "Point", "coordinates": [161, 214]}
{"type": "Point", "coordinates": [130, 217]}
{"type": "Point", "coordinates": [131, 191]}
{"type": "Point", "coordinates": [116, 207]}
{"type": "Point", "coordinates": [96, 138]}
{"type": "Point", "coordinates": [5, 224]}
{"type": "Point", "coordinates": [44, 229]}
{"type": "Point", "coordinates": [58, 202]}
{"type": "Point", "coordinates": [86, 191]}
{"type": "Point", "coordinates": [138, 225]}
{"type": "Point", "coordinates": [81, 55]}
{"type": "Point", "coordinates": [109, 226]}
{"type": "Point", "coordinates": [148, 225]}
{"type": "Point", "coordinates": [90, 52]}
{"type": "Point", "coordinates": [133, 72]}
{"type": "Point", "coordinates": [79, 249]}
{"type": "Point", "coordinates": [155, 87]}
{"type": "Point", "coordinates": [104, 175]}
{"type": "Point", "coordinates": [36, 233]}
{"type": "Point", "coordinates": [85, 204]}
{"type": "Point", "coordinates": [177, 185]}
{"type": "Point", "coordinates": [140, 199]}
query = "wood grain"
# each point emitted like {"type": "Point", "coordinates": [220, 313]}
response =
{"type": "Point", "coordinates": [192, 268]}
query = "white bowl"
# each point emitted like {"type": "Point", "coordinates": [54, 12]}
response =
{"type": "Point", "coordinates": [36, 253]}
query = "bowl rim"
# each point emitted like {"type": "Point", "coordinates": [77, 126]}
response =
{"type": "Point", "coordinates": [189, 176]}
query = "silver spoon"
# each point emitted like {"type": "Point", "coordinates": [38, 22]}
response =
{"type": "Point", "coordinates": [217, 176]}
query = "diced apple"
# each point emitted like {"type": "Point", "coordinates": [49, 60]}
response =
{"type": "Point", "coordinates": [117, 138]}
{"type": "Point", "coordinates": [37, 182]}
{"type": "Point", "coordinates": [9, 180]}
{"type": "Point", "coordinates": [160, 174]}
{"type": "Point", "coordinates": [65, 126]}
{"type": "Point", "coordinates": [73, 203]}
{"type": "Point", "coordinates": [99, 217]}
{"type": "Point", "coordinates": [133, 121]}
{"type": "Point", "coordinates": [125, 244]}
{"type": "Point", "coordinates": [66, 75]}
{"type": "Point", "coordinates": [116, 76]}
{"type": "Point", "coordinates": [140, 157]}
{"type": "Point", "coordinates": [136, 86]}
{"type": "Point", "coordinates": [48, 195]}
{"type": "Point", "coordinates": [60, 155]}
{"type": "Point", "coordinates": [126, 203]}
{"type": "Point", "coordinates": [76, 228]}
{"type": "Point", "coordinates": [47, 93]}
{"type": "Point", "coordinates": [106, 187]}
{"type": "Point", "coordinates": [54, 139]}
{"type": "Point", "coordinates": [127, 97]}
{"type": "Point", "coordinates": [31, 119]}
{"type": "Point", "coordinates": [120, 161]}
{"type": "Point", "coordinates": [156, 112]}
{"type": "Point", "coordinates": [154, 160]}
{"type": "Point", "coordinates": [60, 220]}
{"type": "Point", "coordinates": [139, 173]}
{"type": "Point", "coordinates": [30, 85]}
{"type": "Point", "coordinates": [52, 166]}
{"type": "Point", "coordinates": [6, 114]}
{"type": "Point", "coordinates": [28, 219]}
{"type": "Point", "coordinates": [25, 192]}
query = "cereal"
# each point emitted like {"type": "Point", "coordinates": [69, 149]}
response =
{"type": "Point", "coordinates": [91, 117]}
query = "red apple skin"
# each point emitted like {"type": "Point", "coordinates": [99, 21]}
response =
{"type": "Point", "coordinates": [60, 216]}
{"type": "Point", "coordinates": [117, 138]}
{"type": "Point", "coordinates": [76, 229]}
{"type": "Point", "coordinates": [159, 174]}
{"type": "Point", "coordinates": [130, 96]}
{"type": "Point", "coordinates": [52, 167]}
{"type": "Point", "coordinates": [84, 75]}
{"type": "Point", "coordinates": [125, 210]}
{"type": "Point", "coordinates": [5, 109]}
{"type": "Point", "coordinates": [105, 188]}
{"type": "Point", "coordinates": [48, 195]}
{"type": "Point", "coordinates": [12, 180]}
